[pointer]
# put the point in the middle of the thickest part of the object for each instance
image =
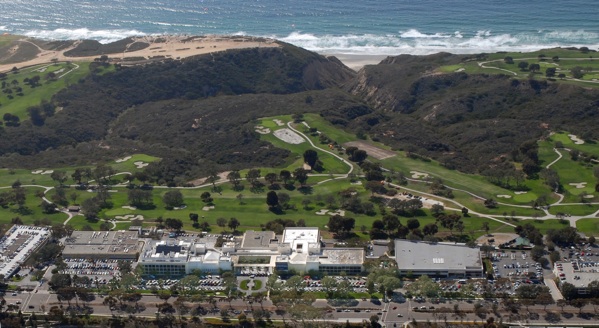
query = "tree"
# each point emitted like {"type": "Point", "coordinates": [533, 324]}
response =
{"type": "Point", "coordinates": [430, 229]}
{"type": "Point", "coordinates": [569, 291]}
{"type": "Point", "coordinates": [271, 178]}
{"type": "Point", "coordinates": [437, 209]}
{"type": "Point", "coordinates": [310, 157]}
{"type": "Point", "coordinates": [206, 197]}
{"type": "Point", "coordinates": [534, 67]}
{"type": "Point", "coordinates": [577, 72]}
{"type": "Point", "coordinates": [592, 240]}
{"type": "Point", "coordinates": [284, 199]}
{"type": "Point", "coordinates": [233, 224]}
{"type": "Point", "coordinates": [235, 178]}
{"type": "Point", "coordinates": [90, 208]}
{"type": "Point", "coordinates": [139, 197]}
{"type": "Point", "coordinates": [172, 198]}
{"type": "Point", "coordinates": [221, 222]}
{"type": "Point", "coordinates": [252, 177]}
{"type": "Point", "coordinates": [523, 65]}
{"type": "Point", "coordinates": [59, 176]}
{"type": "Point", "coordinates": [285, 176]}
{"type": "Point", "coordinates": [490, 203]}
{"type": "Point", "coordinates": [340, 225]}
{"type": "Point", "coordinates": [485, 227]}
{"type": "Point", "coordinates": [508, 60]}
{"type": "Point", "coordinates": [391, 223]}
{"type": "Point", "coordinates": [272, 199]}
{"type": "Point", "coordinates": [173, 224]}
{"type": "Point", "coordinates": [413, 224]}
{"type": "Point", "coordinates": [300, 175]}
{"type": "Point", "coordinates": [550, 72]}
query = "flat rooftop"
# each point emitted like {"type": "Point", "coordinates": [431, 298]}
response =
{"type": "Point", "coordinates": [257, 239]}
{"type": "Point", "coordinates": [86, 243]}
{"type": "Point", "coordinates": [423, 256]}
{"type": "Point", "coordinates": [309, 235]}
{"type": "Point", "coordinates": [18, 244]}
{"type": "Point", "coordinates": [333, 256]}
{"type": "Point", "coordinates": [166, 251]}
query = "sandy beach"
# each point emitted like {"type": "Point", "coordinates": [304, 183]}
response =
{"type": "Point", "coordinates": [356, 62]}
{"type": "Point", "coordinates": [170, 46]}
{"type": "Point", "coordinates": [178, 47]}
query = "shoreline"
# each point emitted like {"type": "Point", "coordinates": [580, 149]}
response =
{"type": "Point", "coordinates": [357, 62]}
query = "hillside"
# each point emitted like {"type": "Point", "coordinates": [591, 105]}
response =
{"type": "Point", "coordinates": [467, 121]}
{"type": "Point", "coordinates": [451, 108]}
{"type": "Point", "coordinates": [153, 108]}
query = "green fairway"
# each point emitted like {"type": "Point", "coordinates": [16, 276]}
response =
{"type": "Point", "coordinates": [589, 227]}
{"type": "Point", "coordinates": [565, 60]}
{"type": "Point", "coordinates": [53, 78]}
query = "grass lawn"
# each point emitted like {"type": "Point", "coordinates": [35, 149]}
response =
{"type": "Point", "coordinates": [567, 59]}
{"type": "Point", "coordinates": [31, 210]}
{"type": "Point", "coordinates": [589, 227]}
{"type": "Point", "coordinates": [544, 225]}
{"type": "Point", "coordinates": [34, 96]}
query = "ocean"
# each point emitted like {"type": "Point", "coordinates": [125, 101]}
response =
{"type": "Point", "coordinates": [359, 27]}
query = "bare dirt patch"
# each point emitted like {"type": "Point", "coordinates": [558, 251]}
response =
{"type": "Point", "coordinates": [418, 175]}
{"type": "Point", "coordinates": [500, 238]}
{"type": "Point", "coordinates": [289, 136]}
{"type": "Point", "coordinates": [575, 139]}
{"type": "Point", "coordinates": [373, 151]}
{"type": "Point", "coordinates": [578, 185]}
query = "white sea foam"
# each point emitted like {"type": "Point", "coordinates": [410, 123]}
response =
{"type": "Point", "coordinates": [103, 36]}
{"type": "Point", "coordinates": [417, 43]}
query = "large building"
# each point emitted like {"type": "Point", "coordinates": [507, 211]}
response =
{"type": "Point", "coordinates": [176, 258]}
{"type": "Point", "coordinates": [18, 244]}
{"type": "Point", "coordinates": [257, 252]}
{"type": "Point", "coordinates": [438, 259]}
{"type": "Point", "coordinates": [114, 245]}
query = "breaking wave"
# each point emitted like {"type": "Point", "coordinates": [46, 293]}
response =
{"type": "Point", "coordinates": [417, 43]}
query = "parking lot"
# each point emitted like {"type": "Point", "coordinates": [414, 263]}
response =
{"type": "Point", "coordinates": [207, 283]}
{"type": "Point", "coordinates": [91, 267]}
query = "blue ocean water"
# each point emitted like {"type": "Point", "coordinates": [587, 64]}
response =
{"type": "Point", "coordinates": [381, 27]}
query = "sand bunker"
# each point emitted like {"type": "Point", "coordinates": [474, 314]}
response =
{"type": "Point", "coordinates": [207, 208]}
{"type": "Point", "coordinates": [289, 136]}
{"type": "Point", "coordinates": [356, 183]}
{"type": "Point", "coordinates": [338, 212]}
{"type": "Point", "coordinates": [589, 196]}
{"type": "Point", "coordinates": [418, 175]}
{"type": "Point", "coordinates": [461, 69]}
{"type": "Point", "coordinates": [124, 159]}
{"type": "Point", "coordinates": [129, 217]}
{"type": "Point", "coordinates": [323, 211]}
{"type": "Point", "coordinates": [262, 130]}
{"type": "Point", "coordinates": [306, 124]}
{"type": "Point", "coordinates": [578, 185]}
{"type": "Point", "coordinates": [504, 196]}
{"type": "Point", "coordinates": [176, 208]}
{"type": "Point", "coordinates": [37, 171]}
{"type": "Point", "coordinates": [520, 192]}
{"type": "Point", "coordinates": [133, 208]}
{"type": "Point", "coordinates": [278, 122]}
{"type": "Point", "coordinates": [575, 139]}
{"type": "Point", "coordinates": [140, 164]}
{"type": "Point", "coordinates": [47, 172]}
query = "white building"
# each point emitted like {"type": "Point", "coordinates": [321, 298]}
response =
{"type": "Point", "coordinates": [438, 259]}
{"type": "Point", "coordinates": [258, 252]}
{"type": "Point", "coordinates": [175, 258]}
